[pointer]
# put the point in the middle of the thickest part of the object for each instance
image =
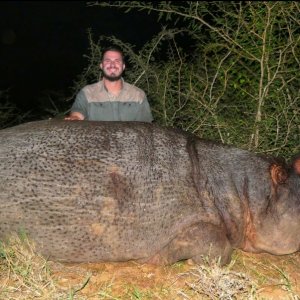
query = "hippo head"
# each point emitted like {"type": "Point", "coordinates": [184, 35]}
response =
{"type": "Point", "coordinates": [277, 229]}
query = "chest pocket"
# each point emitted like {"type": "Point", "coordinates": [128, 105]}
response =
{"type": "Point", "coordinates": [128, 111]}
{"type": "Point", "coordinates": [113, 111]}
{"type": "Point", "coordinates": [101, 111]}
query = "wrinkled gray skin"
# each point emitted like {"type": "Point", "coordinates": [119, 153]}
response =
{"type": "Point", "coordinates": [108, 191]}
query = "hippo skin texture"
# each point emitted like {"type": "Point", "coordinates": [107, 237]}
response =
{"type": "Point", "coordinates": [87, 191]}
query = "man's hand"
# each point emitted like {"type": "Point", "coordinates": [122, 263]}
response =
{"type": "Point", "coordinates": [75, 116]}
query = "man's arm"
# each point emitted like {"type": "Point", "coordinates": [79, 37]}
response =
{"type": "Point", "coordinates": [79, 108]}
{"type": "Point", "coordinates": [145, 114]}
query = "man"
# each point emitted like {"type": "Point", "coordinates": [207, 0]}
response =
{"type": "Point", "coordinates": [111, 99]}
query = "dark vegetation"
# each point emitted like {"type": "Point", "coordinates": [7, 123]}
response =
{"type": "Point", "coordinates": [227, 71]}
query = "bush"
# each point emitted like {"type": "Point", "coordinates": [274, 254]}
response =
{"type": "Point", "coordinates": [238, 82]}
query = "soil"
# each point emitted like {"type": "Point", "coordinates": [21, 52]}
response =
{"type": "Point", "coordinates": [271, 277]}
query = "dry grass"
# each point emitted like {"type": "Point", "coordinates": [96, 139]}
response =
{"type": "Point", "coordinates": [26, 275]}
{"type": "Point", "coordinates": [23, 274]}
{"type": "Point", "coordinates": [215, 282]}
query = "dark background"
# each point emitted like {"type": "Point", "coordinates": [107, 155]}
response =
{"type": "Point", "coordinates": [43, 43]}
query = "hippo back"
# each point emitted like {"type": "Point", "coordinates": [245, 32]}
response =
{"type": "Point", "coordinates": [88, 191]}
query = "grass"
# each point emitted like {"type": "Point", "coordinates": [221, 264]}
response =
{"type": "Point", "coordinates": [26, 275]}
{"type": "Point", "coordinates": [215, 282]}
{"type": "Point", "coordinates": [23, 274]}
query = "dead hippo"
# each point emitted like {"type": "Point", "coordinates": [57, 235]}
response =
{"type": "Point", "coordinates": [112, 191]}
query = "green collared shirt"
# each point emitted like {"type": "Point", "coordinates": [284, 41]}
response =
{"type": "Point", "coordinates": [97, 104]}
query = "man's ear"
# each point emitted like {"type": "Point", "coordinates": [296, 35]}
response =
{"type": "Point", "coordinates": [123, 67]}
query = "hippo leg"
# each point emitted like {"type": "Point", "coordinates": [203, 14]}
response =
{"type": "Point", "coordinates": [199, 243]}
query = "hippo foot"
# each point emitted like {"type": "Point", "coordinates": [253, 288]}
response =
{"type": "Point", "coordinates": [199, 244]}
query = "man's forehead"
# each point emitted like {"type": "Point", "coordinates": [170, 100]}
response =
{"type": "Point", "coordinates": [112, 55]}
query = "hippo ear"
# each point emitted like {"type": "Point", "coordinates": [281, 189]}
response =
{"type": "Point", "coordinates": [296, 165]}
{"type": "Point", "coordinates": [278, 173]}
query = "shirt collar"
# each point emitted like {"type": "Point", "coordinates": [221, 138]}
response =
{"type": "Point", "coordinates": [103, 87]}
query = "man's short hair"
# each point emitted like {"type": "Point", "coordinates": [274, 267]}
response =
{"type": "Point", "coordinates": [113, 48]}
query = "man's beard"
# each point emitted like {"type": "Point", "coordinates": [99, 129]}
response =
{"type": "Point", "coordinates": [112, 78]}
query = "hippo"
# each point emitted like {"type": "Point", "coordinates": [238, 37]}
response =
{"type": "Point", "coordinates": [88, 191]}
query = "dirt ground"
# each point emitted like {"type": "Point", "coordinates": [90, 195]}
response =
{"type": "Point", "coordinates": [261, 276]}
{"type": "Point", "coordinates": [25, 275]}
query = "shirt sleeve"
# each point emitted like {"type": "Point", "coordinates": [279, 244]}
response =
{"type": "Point", "coordinates": [145, 114]}
{"type": "Point", "coordinates": [80, 104]}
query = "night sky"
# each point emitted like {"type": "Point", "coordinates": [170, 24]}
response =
{"type": "Point", "coordinates": [43, 42]}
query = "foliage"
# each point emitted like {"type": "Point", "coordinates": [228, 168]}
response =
{"type": "Point", "coordinates": [237, 81]}
{"type": "Point", "coordinates": [50, 104]}
{"type": "Point", "coordinates": [9, 113]}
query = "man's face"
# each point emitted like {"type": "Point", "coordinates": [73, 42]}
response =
{"type": "Point", "coordinates": [112, 65]}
